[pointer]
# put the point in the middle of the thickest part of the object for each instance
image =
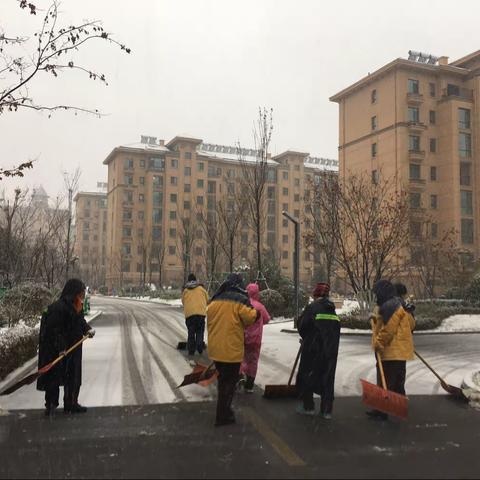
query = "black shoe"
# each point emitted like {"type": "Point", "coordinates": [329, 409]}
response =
{"type": "Point", "coordinates": [377, 415]}
{"type": "Point", "coordinates": [77, 408]}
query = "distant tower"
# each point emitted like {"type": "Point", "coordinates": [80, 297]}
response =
{"type": "Point", "coordinates": [40, 197]}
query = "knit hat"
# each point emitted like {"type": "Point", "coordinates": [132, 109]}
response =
{"type": "Point", "coordinates": [321, 290]}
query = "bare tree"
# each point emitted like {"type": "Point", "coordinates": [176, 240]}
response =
{"type": "Point", "coordinates": [322, 208]}
{"type": "Point", "coordinates": [230, 214]}
{"type": "Point", "coordinates": [254, 179]}
{"type": "Point", "coordinates": [185, 238]}
{"type": "Point", "coordinates": [51, 50]}
{"type": "Point", "coordinates": [16, 171]}
{"type": "Point", "coordinates": [159, 250]}
{"type": "Point", "coordinates": [433, 259]}
{"type": "Point", "coordinates": [371, 241]}
{"type": "Point", "coordinates": [71, 185]}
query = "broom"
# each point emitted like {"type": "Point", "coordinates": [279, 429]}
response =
{"type": "Point", "coordinates": [34, 376]}
{"type": "Point", "coordinates": [284, 391]}
{"type": "Point", "coordinates": [382, 399]}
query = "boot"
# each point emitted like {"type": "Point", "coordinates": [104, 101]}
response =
{"type": "Point", "coordinates": [50, 410]}
{"type": "Point", "coordinates": [77, 408]}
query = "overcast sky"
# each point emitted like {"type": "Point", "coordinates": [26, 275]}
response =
{"type": "Point", "coordinates": [203, 67]}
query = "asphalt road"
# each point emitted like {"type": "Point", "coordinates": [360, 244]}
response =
{"type": "Point", "coordinates": [133, 360]}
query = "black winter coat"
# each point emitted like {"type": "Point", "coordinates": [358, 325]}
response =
{"type": "Point", "coordinates": [319, 328]}
{"type": "Point", "coordinates": [60, 328]}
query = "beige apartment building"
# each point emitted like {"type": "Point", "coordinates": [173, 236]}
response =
{"type": "Point", "coordinates": [157, 190]}
{"type": "Point", "coordinates": [417, 118]}
{"type": "Point", "coordinates": [91, 237]}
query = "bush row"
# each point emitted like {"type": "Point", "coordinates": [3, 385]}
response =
{"type": "Point", "coordinates": [17, 345]}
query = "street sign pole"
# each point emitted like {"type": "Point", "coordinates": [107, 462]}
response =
{"type": "Point", "coordinates": [296, 264]}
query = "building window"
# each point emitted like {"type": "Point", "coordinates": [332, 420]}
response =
{"type": "Point", "coordinates": [188, 155]}
{"type": "Point", "coordinates": [374, 122]}
{"type": "Point", "coordinates": [433, 174]}
{"type": "Point", "coordinates": [128, 164]}
{"type": "Point", "coordinates": [230, 173]}
{"type": "Point", "coordinates": [434, 230]}
{"type": "Point", "coordinates": [465, 177]}
{"type": "Point", "coordinates": [375, 177]}
{"type": "Point", "coordinates": [128, 179]}
{"type": "Point", "coordinates": [271, 175]}
{"type": "Point", "coordinates": [414, 143]}
{"type": "Point", "coordinates": [373, 96]}
{"type": "Point", "coordinates": [285, 191]}
{"type": "Point", "coordinates": [285, 255]}
{"type": "Point", "coordinates": [200, 200]}
{"type": "Point", "coordinates": [187, 188]}
{"type": "Point", "coordinates": [128, 196]}
{"type": "Point", "coordinates": [156, 163]}
{"type": "Point", "coordinates": [173, 233]}
{"type": "Point", "coordinates": [174, 163]}
{"type": "Point", "coordinates": [297, 182]}
{"type": "Point", "coordinates": [127, 231]}
{"type": "Point", "coordinates": [433, 202]}
{"type": "Point", "coordinates": [285, 175]}
{"type": "Point", "coordinates": [156, 233]}
{"type": "Point", "coordinates": [157, 181]}
{"type": "Point", "coordinates": [141, 198]}
{"type": "Point", "coordinates": [414, 171]}
{"type": "Point", "coordinates": [127, 249]}
{"type": "Point", "coordinates": [467, 231]}
{"type": "Point", "coordinates": [415, 229]}
{"type": "Point", "coordinates": [188, 171]}
{"type": "Point", "coordinates": [186, 205]}
{"type": "Point", "coordinates": [271, 225]}
{"type": "Point", "coordinates": [231, 188]}
{"type": "Point", "coordinates": [172, 250]}
{"type": "Point", "coordinates": [415, 200]}
{"type": "Point", "coordinates": [142, 180]}
{"type": "Point", "coordinates": [466, 202]}
{"type": "Point", "coordinates": [173, 215]}
{"type": "Point", "coordinates": [413, 86]}
{"type": "Point", "coordinates": [86, 237]}
{"type": "Point", "coordinates": [211, 202]}
{"type": "Point", "coordinates": [285, 223]}
{"type": "Point", "coordinates": [173, 197]}
{"type": "Point", "coordinates": [414, 114]}
{"type": "Point", "coordinates": [433, 89]}
{"type": "Point", "coordinates": [141, 215]}
{"type": "Point", "coordinates": [200, 184]}
{"type": "Point", "coordinates": [433, 145]}
{"type": "Point", "coordinates": [433, 117]}
{"type": "Point", "coordinates": [173, 181]}
{"type": "Point", "coordinates": [211, 187]}
{"type": "Point", "coordinates": [463, 118]}
{"type": "Point", "coordinates": [126, 267]}
{"type": "Point", "coordinates": [127, 215]}
{"type": "Point", "coordinates": [271, 193]}
{"type": "Point", "coordinates": [296, 213]}
{"type": "Point", "coordinates": [296, 197]}
{"type": "Point", "coordinates": [374, 150]}
{"type": "Point", "coordinates": [465, 145]}
{"type": "Point", "coordinates": [200, 166]}
{"type": "Point", "coordinates": [157, 216]}
{"type": "Point", "coordinates": [157, 198]}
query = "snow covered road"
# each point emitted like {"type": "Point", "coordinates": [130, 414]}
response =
{"type": "Point", "coordinates": [133, 359]}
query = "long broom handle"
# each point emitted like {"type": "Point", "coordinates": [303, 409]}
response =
{"type": "Point", "coordinates": [429, 367]}
{"type": "Point", "coordinates": [382, 373]}
{"type": "Point", "coordinates": [61, 357]}
{"type": "Point", "coordinates": [295, 365]}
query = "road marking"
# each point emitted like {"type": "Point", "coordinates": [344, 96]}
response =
{"type": "Point", "coordinates": [275, 441]}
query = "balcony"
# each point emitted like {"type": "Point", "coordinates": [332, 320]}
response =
{"type": "Point", "coordinates": [416, 126]}
{"type": "Point", "coordinates": [458, 94]}
{"type": "Point", "coordinates": [418, 182]}
{"type": "Point", "coordinates": [416, 155]}
{"type": "Point", "coordinates": [414, 98]}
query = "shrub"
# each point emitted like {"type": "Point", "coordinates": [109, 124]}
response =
{"type": "Point", "coordinates": [17, 345]}
{"type": "Point", "coordinates": [274, 302]}
{"type": "Point", "coordinates": [26, 302]}
{"type": "Point", "coordinates": [166, 294]}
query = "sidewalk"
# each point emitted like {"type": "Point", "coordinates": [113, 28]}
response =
{"type": "Point", "coordinates": [439, 440]}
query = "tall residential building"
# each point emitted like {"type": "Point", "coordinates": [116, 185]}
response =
{"type": "Point", "coordinates": [157, 192]}
{"type": "Point", "coordinates": [91, 237]}
{"type": "Point", "coordinates": [417, 119]}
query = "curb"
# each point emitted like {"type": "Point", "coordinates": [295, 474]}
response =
{"type": "Point", "coordinates": [30, 365]}
{"type": "Point", "coordinates": [142, 301]}
{"type": "Point", "coordinates": [363, 333]}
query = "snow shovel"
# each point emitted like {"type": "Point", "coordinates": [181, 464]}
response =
{"type": "Point", "coordinates": [455, 391]}
{"type": "Point", "coordinates": [382, 399]}
{"type": "Point", "coordinates": [34, 376]}
{"type": "Point", "coordinates": [201, 374]}
{"type": "Point", "coordinates": [284, 391]}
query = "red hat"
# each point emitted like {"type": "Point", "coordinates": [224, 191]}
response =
{"type": "Point", "coordinates": [321, 290]}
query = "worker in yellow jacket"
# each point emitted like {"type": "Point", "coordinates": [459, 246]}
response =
{"type": "Point", "coordinates": [194, 300]}
{"type": "Point", "coordinates": [392, 338]}
{"type": "Point", "coordinates": [228, 314]}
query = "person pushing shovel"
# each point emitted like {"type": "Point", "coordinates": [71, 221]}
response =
{"type": "Point", "coordinates": [392, 338]}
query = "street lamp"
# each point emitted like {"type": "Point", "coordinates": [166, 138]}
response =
{"type": "Point", "coordinates": [296, 264]}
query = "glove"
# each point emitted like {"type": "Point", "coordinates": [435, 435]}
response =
{"type": "Point", "coordinates": [91, 333]}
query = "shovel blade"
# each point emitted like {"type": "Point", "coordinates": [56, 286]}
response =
{"type": "Point", "coordinates": [384, 401]}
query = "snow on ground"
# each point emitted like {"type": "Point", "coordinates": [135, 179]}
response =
{"type": "Point", "coordinates": [460, 323]}
{"type": "Point", "coordinates": [177, 302]}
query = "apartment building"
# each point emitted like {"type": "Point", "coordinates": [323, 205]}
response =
{"type": "Point", "coordinates": [417, 118]}
{"type": "Point", "coordinates": [158, 190]}
{"type": "Point", "coordinates": [91, 237]}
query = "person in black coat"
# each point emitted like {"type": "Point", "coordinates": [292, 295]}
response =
{"type": "Point", "coordinates": [319, 327]}
{"type": "Point", "coordinates": [63, 325]}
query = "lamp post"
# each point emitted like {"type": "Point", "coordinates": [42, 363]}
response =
{"type": "Point", "coordinates": [296, 264]}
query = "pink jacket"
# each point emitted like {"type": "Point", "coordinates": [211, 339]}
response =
{"type": "Point", "coordinates": [254, 333]}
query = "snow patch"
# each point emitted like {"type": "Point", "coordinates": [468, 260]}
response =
{"type": "Point", "coordinates": [460, 323]}
{"type": "Point", "coordinates": [348, 307]}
